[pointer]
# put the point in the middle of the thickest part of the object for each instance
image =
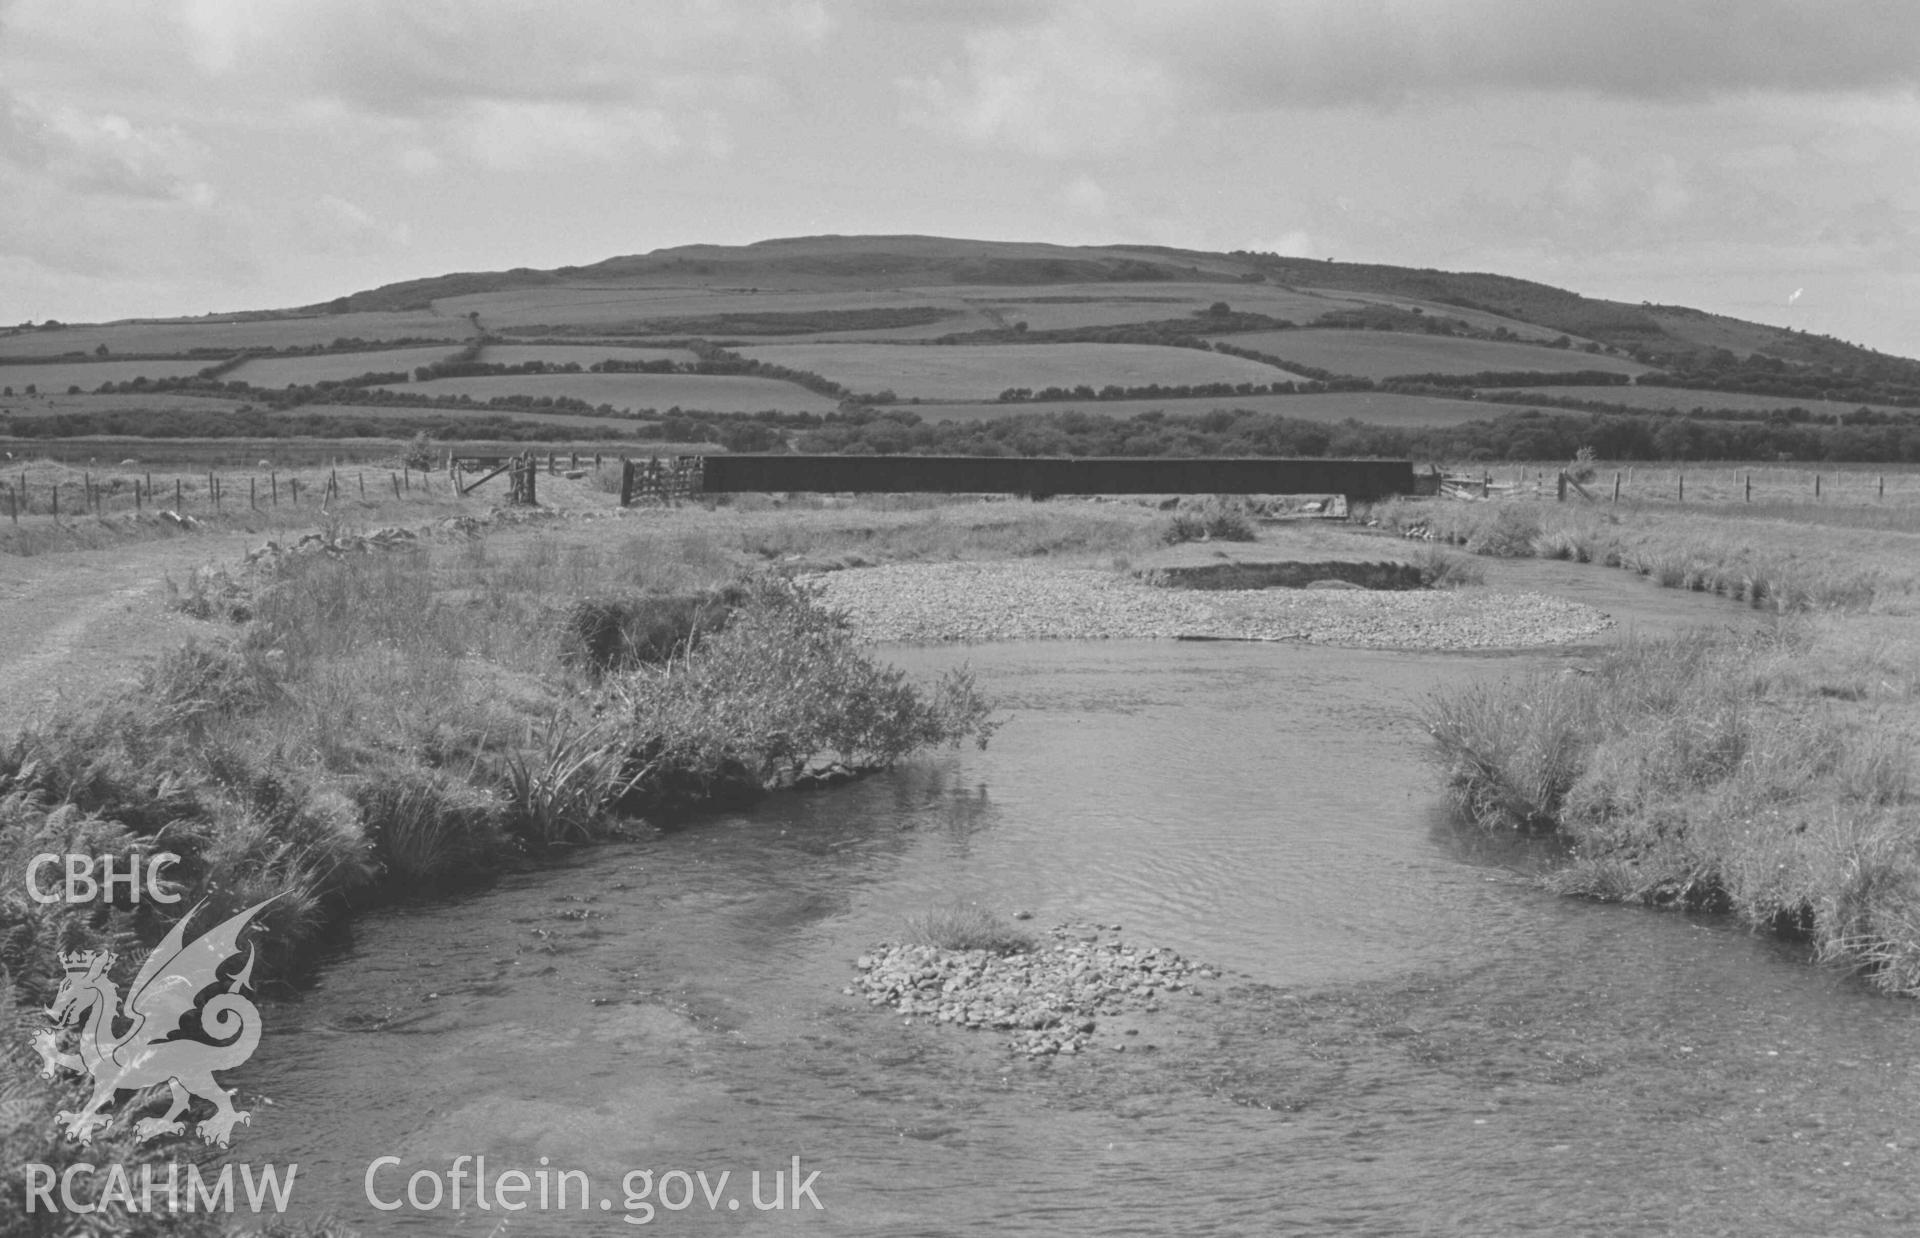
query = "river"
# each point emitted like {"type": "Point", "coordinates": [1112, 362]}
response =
{"type": "Point", "coordinates": [1408, 1037]}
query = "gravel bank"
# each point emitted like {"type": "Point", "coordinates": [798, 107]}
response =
{"type": "Point", "coordinates": [1050, 1000]}
{"type": "Point", "coordinates": [932, 603]}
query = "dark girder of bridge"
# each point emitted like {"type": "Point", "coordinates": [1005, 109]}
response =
{"type": "Point", "coordinates": [1360, 480]}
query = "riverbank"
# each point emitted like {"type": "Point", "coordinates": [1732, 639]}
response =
{"type": "Point", "coordinates": [375, 720]}
{"type": "Point", "coordinates": [1769, 775]}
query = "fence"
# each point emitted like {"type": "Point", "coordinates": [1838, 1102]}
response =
{"type": "Point", "coordinates": [59, 493]}
{"type": "Point", "coordinates": [654, 480]}
{"type": "Point", "coordinates": [1669, 483]}
{"type": "Point", "coordinates": [521, 472]}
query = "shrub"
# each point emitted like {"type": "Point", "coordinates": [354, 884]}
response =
{"type": "Point", "coordinates": [782, 684]}
{"type": "Point", "coordinates": [610, 634]}
{"type": "Point", "coordinates": [1213, 521]}
{"type": "Point", "coordinates": [1440, 570]}
{"type": "Point", "coordinates": [1510, 534]}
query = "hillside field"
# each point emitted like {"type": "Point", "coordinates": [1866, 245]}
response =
{"type": "Point", "coordinates": [1684, 399]}
{"type": "Point", "coordinates": [1388, 354]}
{"type": "Point", "coordinates": [172, 336]}
{"type": "Point", "coordinates": [1383, 408]}
{"type": "Point", "coordinates": [401, 412]}
{"type": "Point", "coordinates": [983, 371]}
{"type": "Point", "coordinates": [157, 402]}
{"type": "Point", "coordinates": [335, 366]}
{"type": "Point", "coordinates": [582, 355]}
{"type": "Point", "coordinates": [57, 376]}
{"type": "Point", "coordinates": [711, 393]}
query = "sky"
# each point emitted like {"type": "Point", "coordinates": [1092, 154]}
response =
{"type": "Point", "coordinates": [1759, 158]}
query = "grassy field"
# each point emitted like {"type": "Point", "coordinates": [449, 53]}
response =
{"type": "Point", "coordinates": [1089, 305]}
{"type": "Point", "coordinates": [164, 402]}
{"type": "Point", "coordinates": [616, 306]}
{"type": "Point", "coordinates": [982, 371]}
{"type": "Point", "coordinates": [301, 371]}
{"type": "Point", "coordinates": [713, 393]}
{"type": "Point", "coordinates": [56, 376]}
{"type": "Point", "coordinates": [1682, 399]}
{"type": "Point", "coordinates": [582, 355]}
{"type": "Point", "coordinates": [1385, 354]}
{"type": "Point", "coordinates": [1369, 407]}
{"type": "Point", "coordinates": [1439, 309]}
{"type": "Point", "coordinates": [183, 335]}
{"type": "Point", "coordinates": [562, 422]}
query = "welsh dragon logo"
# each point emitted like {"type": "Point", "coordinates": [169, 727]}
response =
{"type": "Point", "coordinates": [160, 1045]}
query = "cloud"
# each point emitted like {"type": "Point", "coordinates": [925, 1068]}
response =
{"type": "Point", "coordinates": [100, 152]}
{"type": "Point", "coordinates": [1044, 90]}
{"type": "Point", "coordinates": [1077, 76]}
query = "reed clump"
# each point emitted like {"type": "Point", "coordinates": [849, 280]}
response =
{"type": "Point", "coordinates": [1771, 776]}
{"type": "Point", "coordinates": [968, 926]}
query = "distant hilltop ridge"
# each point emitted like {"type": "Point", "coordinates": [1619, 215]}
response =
{"type": "Point", "coordinates": [841, 263]}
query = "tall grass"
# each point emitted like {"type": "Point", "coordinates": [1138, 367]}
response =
{"type": "Point", "coordinates": [1772, 776]}
{"type": "Point", "coordinates": [1774, 564]}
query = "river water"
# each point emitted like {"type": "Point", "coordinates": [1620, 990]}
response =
{"type": "Point", "coordinates": [1408, 1037]}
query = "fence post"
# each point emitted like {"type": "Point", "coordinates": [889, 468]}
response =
{"type": "Point", "coordinates": [1749, 487]}
{"type": "Point", "coordinates": [1562, 495]}
{"type": "Point", "coordinates": [13, 505]}
{"type": "Point", "coordinates": [1616, 485]}
{"type": "Point", "coordinates": [395, 478]}
{"type": "Point", "coordinates": [138, 507]}
{"type": "Point", "coordinates": [363, 485]}
{"type": "Point", "coordinates": [626, 481]}
{"type": "Point", "coordinates": [1883, 485]}
{"type": "Point", "coordinates": [293, 491]}
{"type": "Point", "coordinates": [1816, 487]}
{"type": "Point", "coordinates": [251, 505]}
{"type": "Point", "coordinates": [178, 503]}
{"type": "Point", "coordinates": [1683, 487]}
{"type": "Point", "coordinates": [56, 502]}
{"type": "Point", "coordinates": [549, 463]}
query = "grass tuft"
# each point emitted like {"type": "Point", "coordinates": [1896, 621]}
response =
{"type": "Point", "coordinates": [968, 926]}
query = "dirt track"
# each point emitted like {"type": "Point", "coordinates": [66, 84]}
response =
{"type": "Point", "coordinates": [81, 622]}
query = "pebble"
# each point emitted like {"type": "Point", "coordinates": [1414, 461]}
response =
{"type": "Point", "coordinates": [937, 603]}
{"type": "Point", "coordinates": [1048, 1000]}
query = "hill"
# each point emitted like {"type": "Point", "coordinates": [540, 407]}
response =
{"type": "Point", "coordinates": [689, 340]}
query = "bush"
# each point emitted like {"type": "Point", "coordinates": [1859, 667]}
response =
{"type": "Point", "coordinates": [612, 634]}
{"type": "Point", "coordinates": [1212, 521]}
{"type": "Point", "coordinates": [784, 683]}
{"type": "Point", "coordinates": [1509, 535]}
